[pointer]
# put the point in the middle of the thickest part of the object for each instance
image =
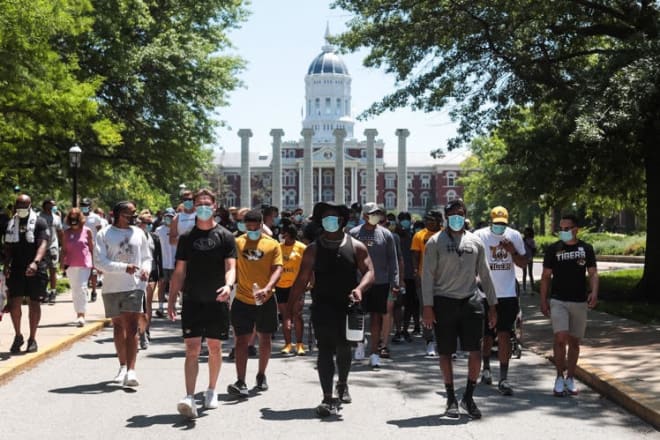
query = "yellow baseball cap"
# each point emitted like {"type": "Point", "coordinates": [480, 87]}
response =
{"type": "Point", "coordinates": [499, 214]}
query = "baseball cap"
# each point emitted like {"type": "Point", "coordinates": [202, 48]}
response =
{"type": "Point", "coordinates": [499, 214]}
{"type": "Point", "coordinates": [85, 202]}
{"type": "Point", "coordinates": [169, 212]}
{"type": "Point", "coordinates": [371, 208]}
{"type": "Point", "coordinates": [433, 215]}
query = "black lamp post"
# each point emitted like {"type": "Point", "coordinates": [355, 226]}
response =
{"type": "Point", "coordinates": [75, 154]}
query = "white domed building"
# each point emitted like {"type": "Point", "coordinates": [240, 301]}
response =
{"type": "Point", "coordinates": [329, 163]}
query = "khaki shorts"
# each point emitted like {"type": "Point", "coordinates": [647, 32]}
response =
{"type": "Point", "coordinates": [568, 316]}
{"type": "Point", "coordinates": [116, 303]}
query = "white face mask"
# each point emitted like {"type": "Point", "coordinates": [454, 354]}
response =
{"type": "Point", "coordinates": [23, 212]}
{"type": "Point", "coordinates": [374, 219]}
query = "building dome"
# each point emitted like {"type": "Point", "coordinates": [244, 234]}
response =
{"type": "Point", "coordinates": [327, 62]}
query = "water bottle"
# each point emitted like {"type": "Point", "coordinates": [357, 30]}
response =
{"type": "Point", "coordinates": [355, 323]}
{"type": "Point", "coordinates": [257, 299]}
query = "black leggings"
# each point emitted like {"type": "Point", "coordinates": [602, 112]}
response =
{"type": "Point", "coordinates": [328, 349]}
{"type": "Point", "coordinates": [411, 305]}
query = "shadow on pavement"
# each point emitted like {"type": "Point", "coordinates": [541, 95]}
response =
{"type": "Point", "coordinates": [96, 356]}
{"type": "Point", "coordinates": [107, 386]}
{"type": "Point", "coordinates": [290, 414]}
{"type": "Point", "coordinates": [176, 420]}
{"type": "Point", "coordinates": [431, 420]}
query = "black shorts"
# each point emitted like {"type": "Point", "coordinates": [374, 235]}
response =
{"type": "Point", "coordinates": [375, 299]}
{"type": "Point", "coordinates": [33, 287]}
{"type": "Point", "coordinates": [282, 294]}
{"type": "Point", "coordinates": [244, 317]}
{"type": "Point", "coordinates": [209, 320]}
{"type": "Point", "coordinates": [507, 311]}
{"type": "Point", "coordinates": [154, 276]}
{"type": "Point", "coordinates": [458, 318]}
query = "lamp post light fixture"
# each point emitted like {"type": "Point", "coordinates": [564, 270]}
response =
{"type": "Point", "coordinates": [75, 154]}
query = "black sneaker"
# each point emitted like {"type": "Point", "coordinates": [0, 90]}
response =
{"type": "Point", "coordinates": [238, 388]}
{"type": "Point", "coordinates": [397, 338]}
{"type": "Point", "coordinates": [262, 384]}
{"type": "Point", "coordinates": [504, 388]}
{"type": "Point", "coordinates": [160, 314]}
{"type": "Point", "coordinates": [16, 345]}
{"type": "Point", "coordinates": [471, 408]}
{"type": "Point", "coordinates": [343, 394]}
{"type": "Point", "coordinates": [327, 408]}
{"type": "Point", "coordinates": [452, 409]}
{"type": "Point", "coordinates": [31, 346]}
{"type": "Point", "coordinates": [93, 297]}
{"type": "Point", "coordinates": [407, 336]}
{"type": "Point", "coordinates": [232, 354]}
{"type": "Point", "coordinates": [252, 350]}
{"type": "Point", "coordinates": [52, 296]}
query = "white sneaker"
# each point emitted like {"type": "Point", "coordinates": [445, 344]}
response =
{"type": "Point", "coordinates": [374, 360]}
{"type": "Point", "coordinates": [121, 374]}
{"type": "Point", "coordinates": [486, 377]}
{"type": "Point", "coordinates": [359, 352]}
{"type": "Point", "coordinates": [210, 399]}
{"type": "Point", "coordinates": [187, 408]}
{"type": "Point", "coordinates": [430, 349]}
{"type": "Point", "coordinates": [571, 386]}
{"type": "Point", "coordinates": [559, 389]}
{"type": "Point", "coordinates": [131, 380]}
{"type": "Point", "coordinates": [80, 322]}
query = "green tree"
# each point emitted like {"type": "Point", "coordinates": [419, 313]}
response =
{"type": "Point", "coordinates": [598, 62]}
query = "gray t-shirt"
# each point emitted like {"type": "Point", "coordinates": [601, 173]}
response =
{"type": "Point", "coordinates": [381, 247]}
{"type": "Point", "coordinates": [451, 266]}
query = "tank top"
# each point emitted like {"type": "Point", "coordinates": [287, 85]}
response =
{"type": "Point", "coordinates": [186, 222]}
{"type": "Point", "coordinates": [77, 248]}
{"type": "Point", "coordinates": [336, 274]}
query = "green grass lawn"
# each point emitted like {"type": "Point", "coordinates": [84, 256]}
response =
{"type": "Point", "coordinates": [616, 297]}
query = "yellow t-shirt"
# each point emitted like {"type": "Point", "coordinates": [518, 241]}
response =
{"type": "Point", "coordinates": [419, 244]}
{"type": "Point", "coordinates": [292, 256]}
{"type": "Point", "coordinates": [253, 264]}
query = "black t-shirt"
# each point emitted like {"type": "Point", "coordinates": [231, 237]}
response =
{"type": "Point", "coordinates": [569, 264]}
{"type": "Point", "coordinates": [23, 253]}
{"type": "Point", "coordinates": [205, 253]}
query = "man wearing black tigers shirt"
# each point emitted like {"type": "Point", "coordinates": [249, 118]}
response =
{"type": "Point", "coordinates": [565, 262]}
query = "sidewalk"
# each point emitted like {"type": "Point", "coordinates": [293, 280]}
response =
{"type": "Point", "coordinates": [619, 358]}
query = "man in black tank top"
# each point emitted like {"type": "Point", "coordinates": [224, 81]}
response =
{"type": "Point", "coordinates": [334, 259]}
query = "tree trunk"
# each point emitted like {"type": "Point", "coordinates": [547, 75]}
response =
{"type": "Point", "coordinates": [649, 286]}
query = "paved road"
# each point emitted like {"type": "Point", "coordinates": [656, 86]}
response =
{"type": "Point", "coordinates": [70, 396]}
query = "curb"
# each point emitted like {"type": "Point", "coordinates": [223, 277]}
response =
{"type": "Point", "coordinates": [28, 361]}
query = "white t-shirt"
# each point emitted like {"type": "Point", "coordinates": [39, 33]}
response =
{"type": "Point", "coordinates": [114, 249]}
{"type": "Point", "coordinates": [93, 222]}
{"type": "Point", "coordinates": [502, 267]}
{"type": "Point", "coordinates": [185, 222]}
{"type": "Point", "coordinates": [168, 251]}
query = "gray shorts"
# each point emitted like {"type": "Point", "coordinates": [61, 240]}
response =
{"type": "Point", "coordinates": [568, 316]}
{"type": "Point", "coordinates": [52, 257]}
{"type": "Point", "coordinates": [166, 276]}
{"type": "Point", "coordinates": [116, 303]}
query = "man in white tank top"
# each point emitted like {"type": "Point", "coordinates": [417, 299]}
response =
{"type": "Point", "coordinates": [184, 220]}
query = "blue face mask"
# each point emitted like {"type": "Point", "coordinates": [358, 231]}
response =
{"type": "Point", "coordinates": [298, 218]}
{"type": "Point", "coordinates": [204, 212]}
{"type": "Point", "coordinates": [405, 224]}
{"type": "Point", "coordinates": [254, 235]}
{"type": "Point", "coordinates": [566, 236]}
{"type": "Point", "coordinates": [330, 223]}
{"type": "Point", "coordinates": [351, 224]}
{"type": "Point", "coordinates": [149, 227]}
{"type": "Point", "coordinates": [456, 222]}
{"type": "Point", "coordinates": [85, 209]}
{"type": "Point", "coordinates": [240, 226]}
{"type": "Point", "coordinates": [188, 204]}
{"type": "Point", "coordinates": [498, 229]}
{"type": "Point", "coordinates": [276, 221]}
{"type": "Point", "coordinates": [167, 220]}
{"type": "Point", "coordinates": [53, 210]}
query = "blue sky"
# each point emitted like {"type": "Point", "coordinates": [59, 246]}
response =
{"type": "Point", "coordinates": [279, 41]}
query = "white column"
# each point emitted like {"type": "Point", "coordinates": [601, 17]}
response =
{"type": "Point", "coordinates": [402, 172]}
{"type": "Point", "coordinates": [276, 168]}
{"type": "Point", "coordinates": [340, 189]}
{"type": "Point", "coordinates": [300, 185]}
{"type": "Point", "coordinates": [307, 193]}
{"type": "Point", "coordinates": [246, 194]}
{"type": "Point", "coordinates": [371, 134]}
{"type": "Point", "coordinates": [319, 194]}
{"type": "Point", "coordinates": [354, 186]}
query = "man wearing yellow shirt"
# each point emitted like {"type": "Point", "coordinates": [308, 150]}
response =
{"type": "Point", "coordinates": [433, 224]}
{"type": "Point", "coordinates": [292, 252]}
{"type": "Point", "coordinates": [259, 266]}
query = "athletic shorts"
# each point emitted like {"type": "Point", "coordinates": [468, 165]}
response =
{"type": "Point", "coordinates": [116, 303]}
{"type": "Point", "coordinates": [209, 320]}
{"type": "Point", "coordinates": [375, 299]}
{"type": "Point", "coordinates": [507, 311]}
{"type": "Point", "coordinates": [52, 257]}
{"type": "Point", "coordinates": [154, 276]}
{"type": "Point", "coordinates": [33, 287]}
{"type": "Point", "coordinates": [166, 276]}
{"type": "Point", "coordinates": [282, 294]}
{"type": "Point", "coordinates": [458, 318]}
{"type": "Point", "coordinates": [568, 316]}
{"type": "Point", "coordinates": [244, 317]}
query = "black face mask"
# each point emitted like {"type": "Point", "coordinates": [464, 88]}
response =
{"type": "Point", "coordinates": [73, 222]}
{"type": "Point", "coordinates": [132, 220]}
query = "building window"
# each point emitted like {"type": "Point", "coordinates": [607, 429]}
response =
{"type": "Point", "coordinates": [390, 181]}
{"type": "Point", "coordinates": [317, 103]}
{"type": "Point", "coordinates": [283, 154]}
{"type": "Point", "coordinates": [424, 199]}
{"type": "Point", "coordinates": [363, 178]}
{"type": "Point", "coordinates": [410, 181]}
{"type": "Point", "coordinates": [290, 199]}
{"type": "Point", "coordinates": [426, 181]}
{"type": "Point", "coordinates": [347, 196]}
{"type": "Point", "coordinates": [327, 178]}
{"type": "Point", "coordinates": [390, 200]}
{"type": "Point", "coordinates": [291, 153]}
{"type": "Point", "coordinates": [328, 195]}
{"type": "Point", "coordinates": [309, 107]}
{"type": "Point", "coordinates": [338, 108]}
{"type": "Point", "coordinates": [451, 195]}
{"type": "Point", "coordinates": [363, 154]}
{"type": "Point", "coordinates": [451, 179]}
{"type": "Point", "coordinates": [289, 178]}
{"type": "Point", "coordinates": [230, 199]}
{"type": "Point", "coordinates": [328, 106]}
{"type": "Point", "coordinates": [411, 197]}
{"type": "Point", "coordinates": [363, 197]}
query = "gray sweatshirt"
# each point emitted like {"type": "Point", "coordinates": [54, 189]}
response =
{"type": "Point", "coordinates": [382, 250]}
{"type": "Point", "coordinates": [451, 266]}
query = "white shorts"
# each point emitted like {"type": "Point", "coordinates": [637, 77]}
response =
{"type": "Point", "coordinates": [568, 316]}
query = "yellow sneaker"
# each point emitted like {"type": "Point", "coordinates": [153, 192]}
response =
{"type": "Point", "coordinates": [300, 349]}
{"type": "Point", "coordinates": [287, 349]}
